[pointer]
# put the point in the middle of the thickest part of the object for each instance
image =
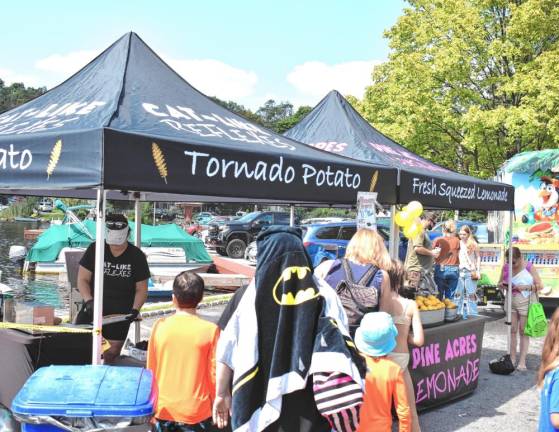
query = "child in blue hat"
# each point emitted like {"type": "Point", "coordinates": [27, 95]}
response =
{"type": "Point", "coordinates": [384, 383]}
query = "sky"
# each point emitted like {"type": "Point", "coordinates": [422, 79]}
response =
{"type": "Point", "coordinates": [247, 51]}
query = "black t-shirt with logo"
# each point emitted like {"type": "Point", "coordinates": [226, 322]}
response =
{"type": "Point", "coordinates": [121, 275]}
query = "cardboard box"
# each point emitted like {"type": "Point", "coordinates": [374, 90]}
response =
{"type": "Point", "coordinates": [34, 313]}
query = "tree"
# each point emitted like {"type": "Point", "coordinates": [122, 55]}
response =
{"type": "Point", "coordinates": [17, 94]}
{"type": "Point", "coordinates": [278, 117]}
{"type": "Point", "coordinates": [239, 109]}
{"type": "Point", "coordinates": [272, 112]}
{"type": "Point", "coordinates": [469, 84]}
{"type": "Point", "coordinates": [286, 123]}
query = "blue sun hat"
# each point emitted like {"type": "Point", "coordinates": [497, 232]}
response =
{"type": "Point", "coordinates": [376, 335]}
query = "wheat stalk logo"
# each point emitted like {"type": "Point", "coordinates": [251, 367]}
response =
{"type": "Point", "coordinates": [54, 156]}
{"type": "Point", "coordinates": [374, 180]}
{"type": "Point", "coordinates": [159, 159]}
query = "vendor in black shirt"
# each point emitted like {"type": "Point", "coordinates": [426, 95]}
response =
{"type": "Point", "coordinates": [124, 286]}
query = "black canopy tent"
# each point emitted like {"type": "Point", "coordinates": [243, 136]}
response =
{"type": "Point", "coordinates": [127, 122]}
{"type": "Point", "coordinates": [334, 125]}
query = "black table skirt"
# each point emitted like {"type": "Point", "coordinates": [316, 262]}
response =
{"type": "Point", "coordinates": [22, 353]}
{"type": "Point", "coordinates": [447, 366]}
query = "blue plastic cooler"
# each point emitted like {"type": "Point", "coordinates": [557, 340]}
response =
{"type": "Point", "coordinates": [73, 393]}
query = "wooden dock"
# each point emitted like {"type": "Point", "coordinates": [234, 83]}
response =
{"type": "Point", "coordinates": [32, 234]}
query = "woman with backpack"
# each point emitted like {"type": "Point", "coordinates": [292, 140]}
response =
{"type": "Point", "coordinates": [360, 278]}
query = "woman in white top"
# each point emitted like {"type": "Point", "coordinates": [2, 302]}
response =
{"type": "Point", "coordinates": [526, 283]}
{"type": "Point", "coordinates": [469, 266]}
{"type": "Point", "coordinates": [405, 314]}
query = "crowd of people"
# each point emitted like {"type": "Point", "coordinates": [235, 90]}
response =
{"type": "Point", "coordinates": [300, 349]}
{"type": "Point", "coordinates": [303, 349]}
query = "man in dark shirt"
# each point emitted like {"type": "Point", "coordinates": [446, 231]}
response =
{"type": "Point", "coordinates": [124, 285]}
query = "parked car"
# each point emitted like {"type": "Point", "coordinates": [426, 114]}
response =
{"type": "Point", "coordinates": [317, 237]}
{"type": "Point", "coordinates": [203, 218]}
{"type": "Point", "coordinates": [233, 236]}
{"type": "Point", "coordinates": [321, 220]}
{"type": "Point", "coordinates": [164, 214]}
{"type": "Point", "coordinates": [46, 205]}
{"type": "Point", "coordinates": [479, 230]}
{"type": "Point", "coordinates": [329, 240]}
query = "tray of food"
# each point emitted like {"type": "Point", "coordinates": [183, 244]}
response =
{"type": "Point", "coordinates": [431, 310]}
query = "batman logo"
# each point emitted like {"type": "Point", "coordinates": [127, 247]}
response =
{"type": "Point", "coordinates": [301, 295]}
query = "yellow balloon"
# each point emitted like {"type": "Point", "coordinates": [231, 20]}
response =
{"type": "Point", "coordinates": [415, 208]}
{"type": "Point", "coordinates": [413, 230]}
{"type": "Point", "coordinates": [402, 218]}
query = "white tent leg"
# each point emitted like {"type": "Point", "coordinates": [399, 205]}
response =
{"type": "Point", "coordinates": [394, 240]}
{"type": "Point", "coordinates": [138, 243]}
{"type": "Point", "coordinates": [509, 288]}
{"type": "Point", "coordinates": [292, 215]}
{"type": "Point", "coordinates": [99, 274]}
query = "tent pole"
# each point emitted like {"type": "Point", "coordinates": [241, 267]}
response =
{"type": "Point", "coordinates": [138, 221]}
{"type": "Point", "coordinates": [392, 243]}
{"type": "Point", "coordinates": [154, 206]}
{"type": "Point", "coordinates": [138, 243]}
{"type": "Point", "coordinates": [99, 274]}
{"type": "Point", "coordinates": [509, 288]}
{"type": "Point", "coordinates": [291, 215]}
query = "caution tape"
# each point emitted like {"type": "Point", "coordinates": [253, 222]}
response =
{"type": "Point", "coordinates": [208, 301]}
{"type": "Point", "coordinates": [44, 328]}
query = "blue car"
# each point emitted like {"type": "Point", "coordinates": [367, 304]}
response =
{"type": "Point", "coordinates": [479, 230]}
{"type": "Point", "coordinates": [329, 240]}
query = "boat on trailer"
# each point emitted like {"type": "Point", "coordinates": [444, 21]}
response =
{"type": "Point", "coordinates": [168, 248]}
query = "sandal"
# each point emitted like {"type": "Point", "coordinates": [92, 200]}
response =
{"type": "Point", "coordinates": [521, 368]}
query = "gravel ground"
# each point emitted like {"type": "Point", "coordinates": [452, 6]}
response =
{"type": "Point", "coordinates": [500, 403]}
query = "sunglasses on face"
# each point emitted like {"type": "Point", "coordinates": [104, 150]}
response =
{"type": "Point", "coordinates": [116, 225]}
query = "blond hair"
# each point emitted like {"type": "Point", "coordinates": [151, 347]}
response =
{"type": "Point", "coordinates": [367, 247]}
{"type": "Point", "coordinates": [449, 226]}
{"type": "Point", "coordinates": [471, 243]}
{"type": "Point", "coordinates": [550, 351]}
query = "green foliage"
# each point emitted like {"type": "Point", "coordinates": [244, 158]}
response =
{"type": "Point", "coordinates": [325, 212]}
{"type": "Point", "coordinates": [17, 94]}
{"type": "Point", "coordinates": [282, 125]}
{"type": "Point", "coordinates": [23, 208]}
{"type": "Point", "coordinates": [239, 109]}
{"type": "Point", "coordinates": [272, 112]}
{"type": "Point", "coordinates": [278, 117]}
{"type": "Point", "coordinates": [469, 84]}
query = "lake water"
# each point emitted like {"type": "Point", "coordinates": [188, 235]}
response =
{"type": "Point", "coordinates": [43, 289]}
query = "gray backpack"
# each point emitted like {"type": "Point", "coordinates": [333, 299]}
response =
{"type": "Point", "coordinates": [356, 296]}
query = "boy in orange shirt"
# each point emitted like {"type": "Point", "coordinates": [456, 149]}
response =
{"type": "Point", "coordinates": [384, 383]}
{"type": "Point", "coordinates": [181, 355]}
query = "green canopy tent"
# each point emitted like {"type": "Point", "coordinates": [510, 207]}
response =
{"type": "Point", "coordinates": [50, 243]}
